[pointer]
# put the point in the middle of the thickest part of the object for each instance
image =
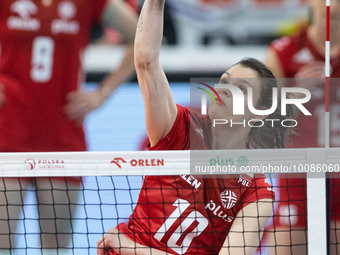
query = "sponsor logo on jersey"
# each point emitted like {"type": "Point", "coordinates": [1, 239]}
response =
{"type": "Point", "coordinates": [281, 43]}
{"type": "Point", "coordinates": [303, 56]}
{"type": "Point", "coordinates": [244, 181]}
{"type": "Point", "coordinates": [200, 131]}
{"type": "Point", "coordinates": [24, 9]}
{"type": "Point", "coordinates": [192, 181]}
{"type": "Point", "coordinates": [138, 162]}
{"type": "Point", "coordinates": [45, 163]}
{"type": "Point", "coordinates": [228, 199]}
{"type": "Point", "coordinates": [269, 188]}
{"type": "Point", "coordinates": [218, 211]}
{"type": "Point", "coordinates": [65, 25]}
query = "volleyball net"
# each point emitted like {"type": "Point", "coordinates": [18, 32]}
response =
{"type": "Point", "coordinates": [63, 203]}
{"type": "Point", "coordinates": [105, 191]}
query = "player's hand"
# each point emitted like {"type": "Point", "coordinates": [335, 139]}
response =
{"type": "Point", "coordinates": [115, 240]}
{"type": "Point", "coordinates": [311, 75]}
{"type": "Point", "coordinates": [81, 103]}
{"type": "Point", "coordinates": [2, 94]}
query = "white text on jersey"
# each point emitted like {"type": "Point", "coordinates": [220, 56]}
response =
{"type": "Point", "coordinates": [218, 211]}
{"type": "Point", "coordinates": [191, 180]}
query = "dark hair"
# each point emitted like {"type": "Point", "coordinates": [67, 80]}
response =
{"type": "Point", "coordinates": [268, 136]}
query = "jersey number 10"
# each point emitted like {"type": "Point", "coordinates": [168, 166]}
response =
{"type": "Point", "coordinates": [201, 224]}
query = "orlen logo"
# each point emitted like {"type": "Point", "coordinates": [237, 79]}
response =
{"type": "Point", "coordinates": [31, 162]}
{"type": "Point", "coordinates": [139, 162]}
{"type": "Point", "coordinates": [45, 163]}
{"type": "Point", "coordinates": [116, 160]}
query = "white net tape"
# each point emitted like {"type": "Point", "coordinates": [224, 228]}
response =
{"type": "Point", "coordinates": [163, 162]}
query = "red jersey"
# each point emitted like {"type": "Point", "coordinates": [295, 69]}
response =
{"type": "Point", "coordinates": [189, 214]}
{"type": "Point", "coordinates": [293, 53]}
{"type": "Point", "coordinates": [41, 51]}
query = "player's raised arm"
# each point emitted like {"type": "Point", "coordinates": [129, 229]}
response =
{"type": "Point", "coordinates": [160, 108]}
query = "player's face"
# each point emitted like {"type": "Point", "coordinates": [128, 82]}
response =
{"type": "Point", "coordinates": [243, 78]}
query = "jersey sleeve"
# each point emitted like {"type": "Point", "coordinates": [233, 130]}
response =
{"type": "Point", "coordinates": [179, 136]}
{"type": "Point", "coordinates": [97, 9]}
{"type": "Point", "coordinates": [259, 189]}
{"type": "Point", "coordinates": [284, 49]}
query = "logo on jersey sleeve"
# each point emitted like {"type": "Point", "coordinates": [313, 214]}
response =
{"type": "Point", "coordinates": [303, 56]}
{"type": "Point", "coordinates": [65, 25]}
{"type": "Point", "coordinates": [269, 188]}
{"type": "Point", "coordinates": [200, 131]}
{"type": "Point", "coordinates": [244, 181]}
{"type": "Point", "coordinates": [281, 43]}
{"type": "Point", "coordinates": [23, 21]}
{"type": "Point", "coordinates": [228, 199]}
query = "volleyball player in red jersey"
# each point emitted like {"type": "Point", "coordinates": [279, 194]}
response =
{"type": "Point", "coordinates": [42, 44]}
{"type": "Point", "coordinates": [189, 214]}
{"type": "Point", "coordinates": [302, 56]}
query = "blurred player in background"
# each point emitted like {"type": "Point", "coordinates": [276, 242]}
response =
{"type": "Point", "coordinates": [303, 56]}
{"type": "Point", "coordinates": [42, 108]}
{"type": "Point", "coordinates": [188, 214]}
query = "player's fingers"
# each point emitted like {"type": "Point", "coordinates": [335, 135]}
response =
{"type": "Point", "coordinates": [101, 250]}
{"type": "Point", "coordinates": [108, 242]}
{"type": "Point", "coordinates": [100, 246]}
{"type": "Point", "coordinates": [71, 95]}
{"type": "Point", "coordinates": [74, 96]}
{"type": "Point", "coordinates": [319, 63]}
{"type": "Point", "coordinates": [75, 110]}
{"type": "Point", "coordinates": [311, 71]}
{"type": "Point", "coordinates": [315, 64]}
{"type": "Point", "coordinates": [70, 111]}
{"type": "Point", "coordinates": [104, 242]}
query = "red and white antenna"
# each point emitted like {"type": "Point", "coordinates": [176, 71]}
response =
{"type": "Point", "coordinates": [327, 73]}
{"type": "Point", "coordinates": [317, 212]}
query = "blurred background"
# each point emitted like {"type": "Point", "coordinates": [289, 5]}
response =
{"type": "Point", "coordinates": [204, 37]}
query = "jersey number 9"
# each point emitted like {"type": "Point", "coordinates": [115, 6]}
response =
{"type": "Point", "coordinates": [42, 59]}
